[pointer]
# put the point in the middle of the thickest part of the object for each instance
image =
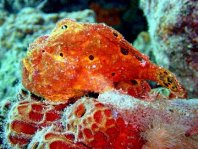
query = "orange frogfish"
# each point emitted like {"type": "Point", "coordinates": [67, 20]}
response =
{"type": "Point", "coordinates": [76, 58]}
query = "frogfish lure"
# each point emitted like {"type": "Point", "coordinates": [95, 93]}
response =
{"type": "Point", "coordinates": [76, 58]}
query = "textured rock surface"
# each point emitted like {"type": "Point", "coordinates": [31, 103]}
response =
{"type": "Point", "coordinates": [17, 31]}
{"type": "Point", "coordinates": [143, 44]}
{"type": "Point", "coordinates": [44, 5]}
{"type": "Point", "coordinates": [17, 5]}
{"type": "Point", "coordinates": [173, 32]}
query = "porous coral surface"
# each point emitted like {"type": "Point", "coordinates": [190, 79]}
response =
{"type": "Point", "coordinates": [98, 126]}
{"type": "Point", "coordinates": [113, 120]}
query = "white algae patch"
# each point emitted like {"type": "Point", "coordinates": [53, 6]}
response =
{"type": "Point", "coordinates": [182, 111]}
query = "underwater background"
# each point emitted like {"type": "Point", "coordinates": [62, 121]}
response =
{"type": "Point", "coordinates": [165, 30]}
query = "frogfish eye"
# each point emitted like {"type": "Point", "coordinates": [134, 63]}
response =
{"type": "Point", "coordinates": [64, 26]}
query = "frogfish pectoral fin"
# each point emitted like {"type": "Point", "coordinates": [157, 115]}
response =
{"type": "Point", "coordinates": [167, 79]}
{"type": "Point", "coordinates": [164, 78]}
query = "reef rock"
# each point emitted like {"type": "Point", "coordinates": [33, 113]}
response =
{"type": "Point", "coordinates": [173, 32]}
{"type": "Point", "coordinates": [143, 44]}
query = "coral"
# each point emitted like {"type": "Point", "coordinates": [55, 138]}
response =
{"type": "Point", "coordinates": [113, 120]}
{"type": "Point", "coordinates": [17, 31]}
{"type": "Point", "coordinates": [98, 126]}
{"type": "Point", "coordinates": [9, 75]}
{"type": "Point", "coordinates": [173, 33]}
{"type": "Point", "coordinates": [184, 112]}
{"type": "Point", "coordinates": [51, 138]}
{"type": "Point", "coordinates": [168, 136]}
{"type": "Point", "coordinates": [2, 15]}
{"type": "Point", "coordinates": [164, 123]}
{"type": "Point", "coordinates": [4, 108]}
{"type": "Point", "coordinates": [17, 5]}
{"type": "Point", "coordinates": [48, 6]}
{"type": "Point", "coordinates": [80, 57]}
{"type": "Point", "coordinates": [143, 44]}
{"type": "Point", "coordinates": [28, 116]}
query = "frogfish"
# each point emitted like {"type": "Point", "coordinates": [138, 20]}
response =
{"type": "Point", "coordinates": [77, 58]}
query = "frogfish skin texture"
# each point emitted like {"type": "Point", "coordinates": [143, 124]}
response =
{"type": "Point", "coordinates": [76, 58]}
